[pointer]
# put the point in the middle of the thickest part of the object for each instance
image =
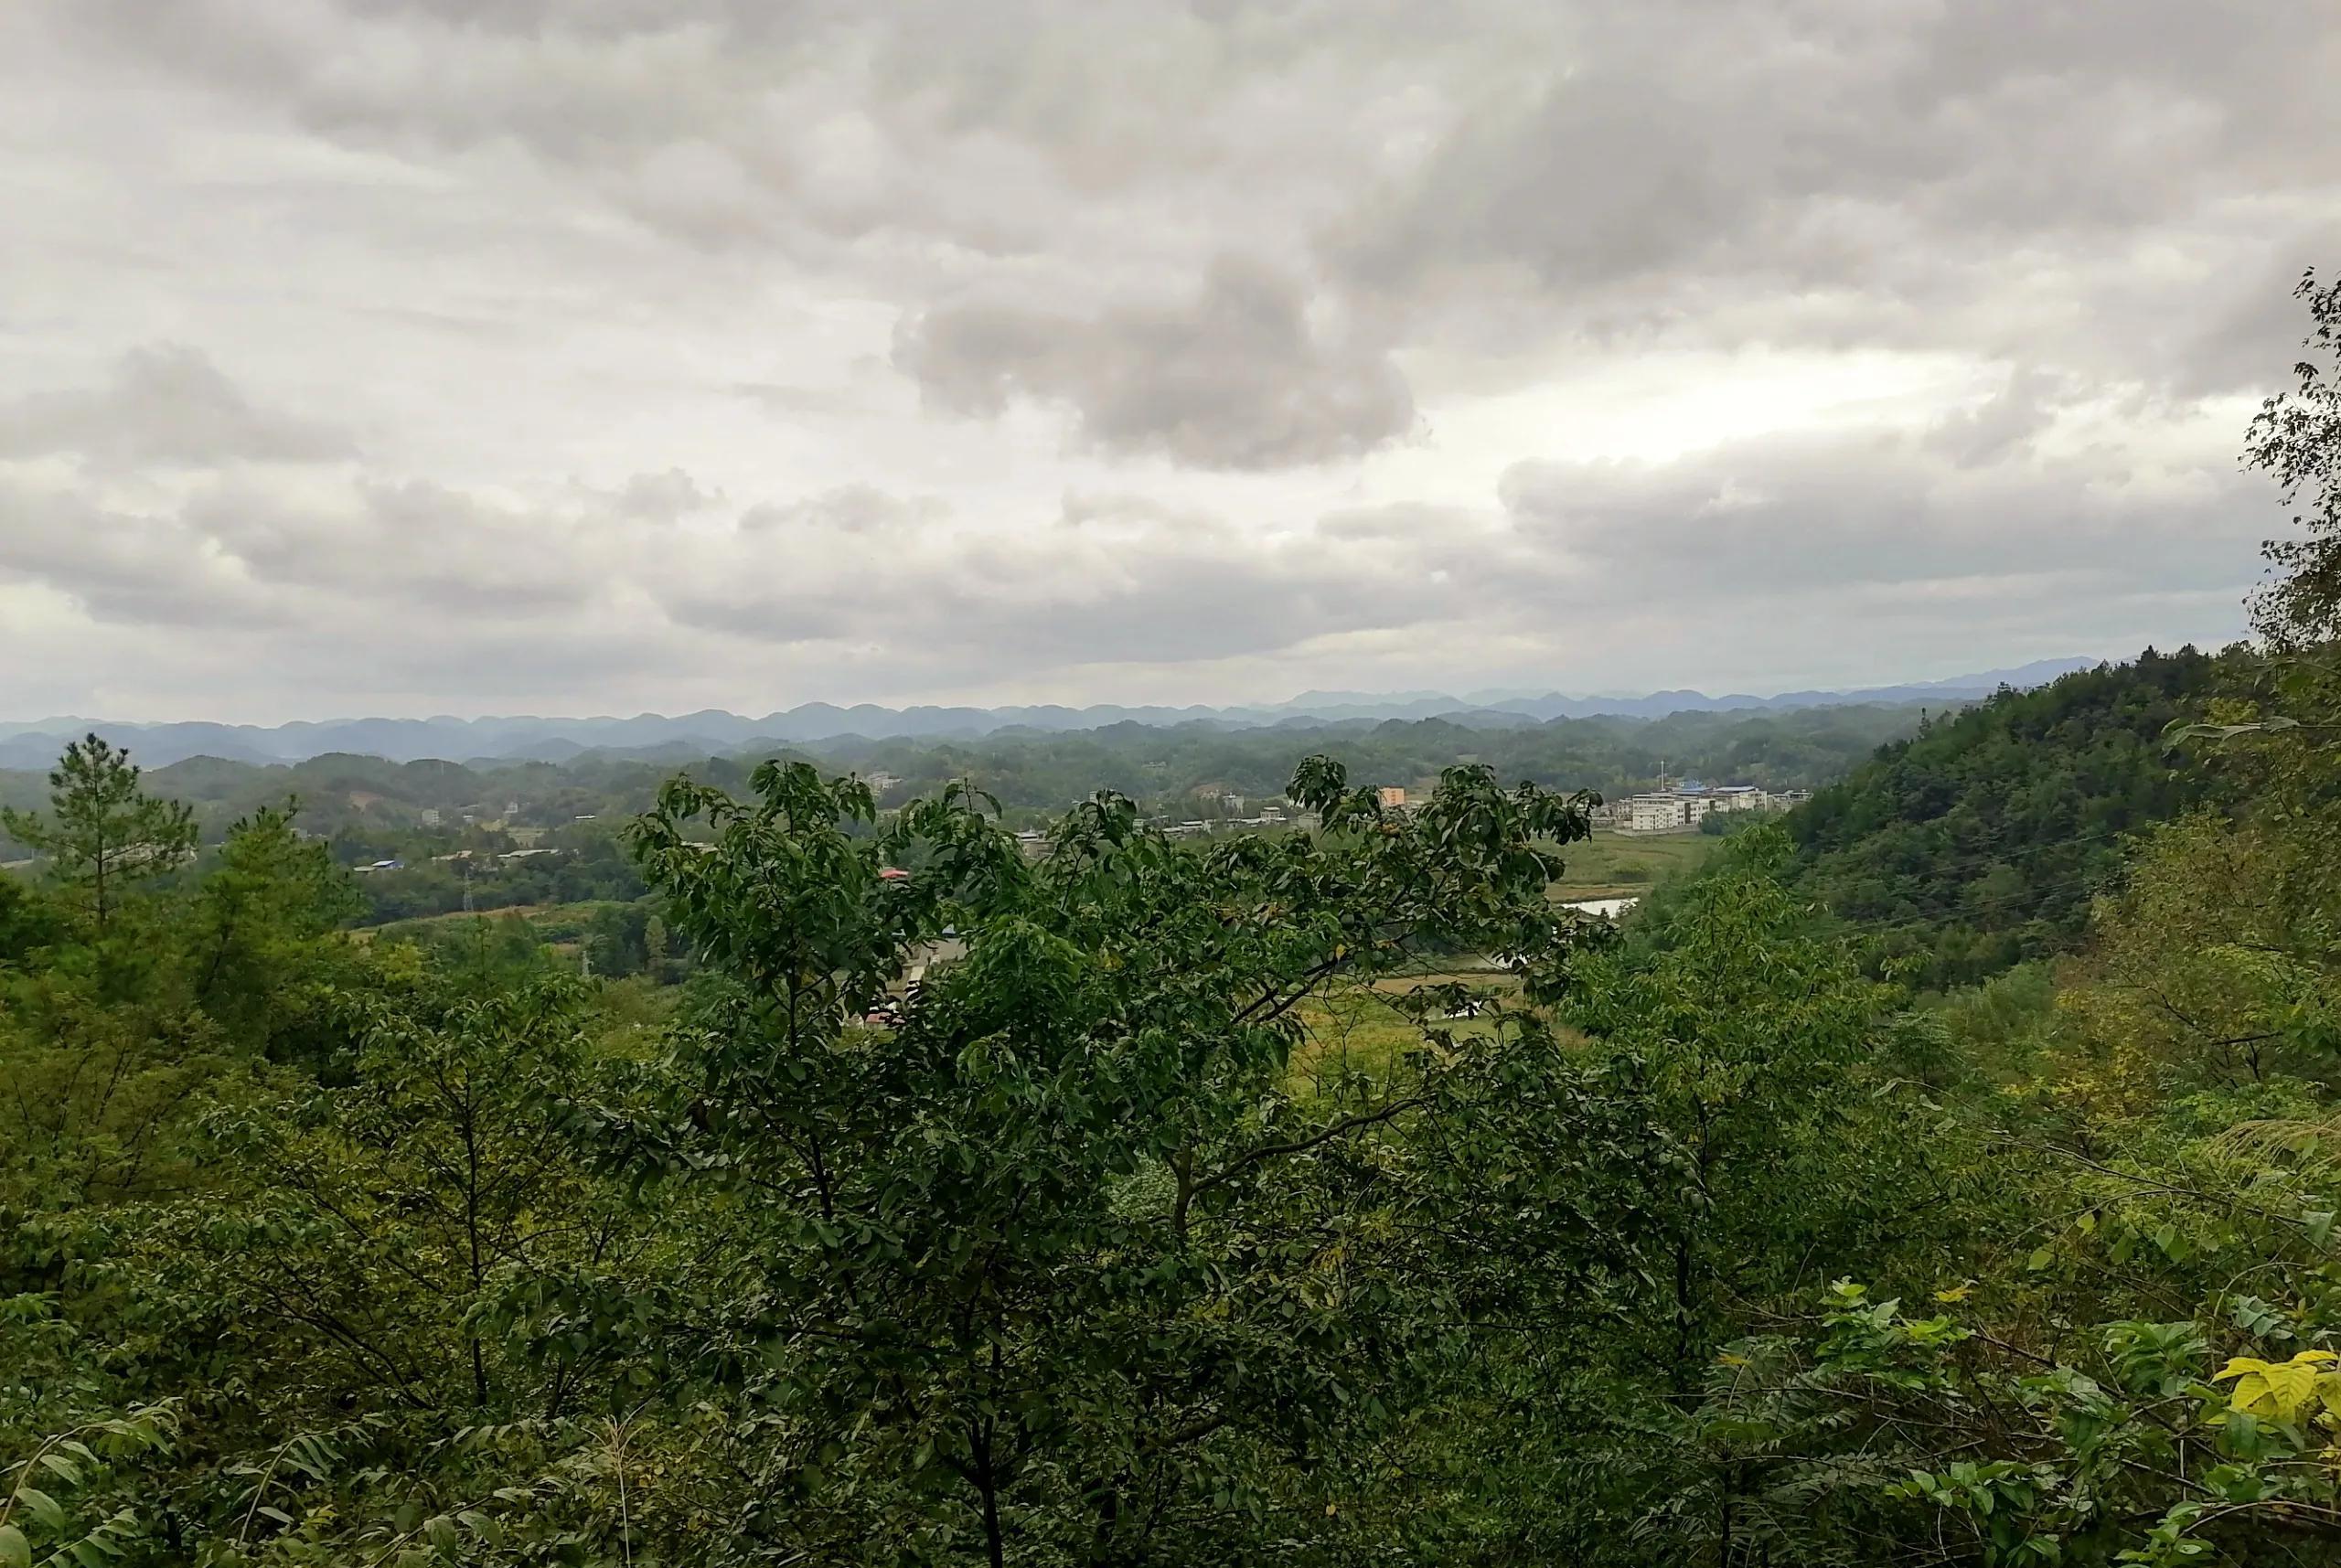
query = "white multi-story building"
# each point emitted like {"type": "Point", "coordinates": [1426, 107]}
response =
{"type": "Point", "coordinates": [1679, 809]}
{"type": "Point", "coordinates": [1662, 813]}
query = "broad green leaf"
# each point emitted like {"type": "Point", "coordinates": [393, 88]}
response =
{"type": "Point", "coordinates": [42, 1506]}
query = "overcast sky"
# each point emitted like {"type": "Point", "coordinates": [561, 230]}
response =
{"type": "Point", "coordinates": [585, 355]}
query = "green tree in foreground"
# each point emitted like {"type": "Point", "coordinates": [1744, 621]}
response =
{"type": "Point", "coordinates": [1097, 1249]}
{"type": "Point", "coordinates": [2296, 441]}
{"type": "Point", "coordinates": [361, 1316]}
{"type": "Point", "coordinates": [1060, 1266]}
{"type": "Point", "coordinates": [102, 835]}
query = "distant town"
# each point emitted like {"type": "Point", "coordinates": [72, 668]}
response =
{"type": "Point", "coordinates": [1678, 806]}
{"type": "Point", "coordinates": [1683, 805]}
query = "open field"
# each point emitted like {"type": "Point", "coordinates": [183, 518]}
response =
{"type": "Point", "coordinates": [456, 915]}
{"type": "Point", "coordinates": [1611, 865]}
{"type": "Point", "coordinates": [1355, 1029]}
{"type": "Point", "coordinates": [413, 924]}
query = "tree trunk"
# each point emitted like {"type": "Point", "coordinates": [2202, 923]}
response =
{"type": "Point", "coordinates": [988, 1488]}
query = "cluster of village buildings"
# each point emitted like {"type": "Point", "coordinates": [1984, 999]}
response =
{"type": "Point", "coordinates": [1683, 805]}
{"type": "Point", "coordinates": [1232, 817]}
{"type": "Point", "coordinates": [1676, 807]}
{"type": "Point", "coordinates": [1679, 806]}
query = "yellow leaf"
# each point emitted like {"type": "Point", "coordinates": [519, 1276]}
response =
{"type": "Point", "coordinates": [1728, 1359]}
{"type": "Point", "coordinates": [2250, 1392]}
{"type": "Point", "coordinates": [1956, 1292]}
{"type": "Point", "coordinates": [2280, 1389]}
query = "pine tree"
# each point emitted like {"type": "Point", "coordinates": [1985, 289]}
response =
{"type": "Point", "coordinates": [103, 834]}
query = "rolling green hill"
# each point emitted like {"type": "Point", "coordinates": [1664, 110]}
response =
{"type": "Point", "coordinates": [1979, 842]}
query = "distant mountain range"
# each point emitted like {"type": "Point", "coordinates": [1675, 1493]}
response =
{"type": "Point", "coordinates": [35, 744]}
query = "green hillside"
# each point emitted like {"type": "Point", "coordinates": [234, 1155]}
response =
{"type": "Point", "coordinates": [1979, 842]}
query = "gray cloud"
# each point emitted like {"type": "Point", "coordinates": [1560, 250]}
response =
{"type": "Point", "coordinates": [663, 497]}
{"type": "Point", "coordinates": [1878, 536]}
{"type": "Point", "coordinates": [1863, 510]}
{"type": "Point", "coordinates": [2059, 180]}
{"type": "Point", "coordinates": [849, 509]}
{"type": "Point", "coordinates": [1131, 595]}
{"type": "Point", "coordinates": [2251, 328]}
{"type": "Point", "coordinates": [1886, 541]}
{"type": "Point", "coordinates": [2008, 421]}
{"type": "Point", "coordinates": [720, 351]}
{"type": "Point", "coordinates": [121, 567]}
{"type": "Point", "coordinates": [373, 560]}
{"type": "Point", "coordinates": [1236, 377]}
{"type": "Point", "coordinates": [2019, 175]}
{"type": "Point", "coordinates": [166, 404]}
{"type": "Point", "coordinates": [1597, 177]}
{"type": "Point", "coordinates": [1402, 521]}
{"type": "Point", "coordinates": [410, 545]}
{"type": "Point", "coordinates": [1086, 509]}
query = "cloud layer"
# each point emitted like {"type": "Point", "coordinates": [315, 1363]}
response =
{"type": "Point", "coordinates": [1234, 378]}
{"type": "Point", "coordinates": [408, 355]}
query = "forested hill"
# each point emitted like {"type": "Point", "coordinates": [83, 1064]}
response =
{"type": "Point", "coordinates": [372, 807]}
{"type": "Point", "coordinates": [1979, 842]}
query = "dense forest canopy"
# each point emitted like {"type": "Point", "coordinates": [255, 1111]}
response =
{"type": "Point", "coordinates": [1946, 1175]}
{"type": "Point", "coordinates": [1982, 841]}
